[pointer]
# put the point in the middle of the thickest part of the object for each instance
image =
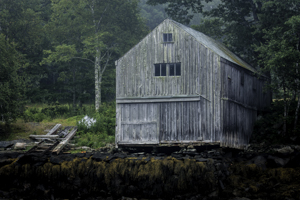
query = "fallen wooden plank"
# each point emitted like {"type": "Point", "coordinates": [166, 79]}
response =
{"type": "Point", "coordinates": [54, 129]}
{"type": "Point", "coordinates": [44, 136]}
{"type": "Point", "coordinates": [65, 132]}
{"type": "Point", "coordinates": [50, 139]}
{"type": "Point", "coordinates": [39, 150]}
{"type": "Point", "coordinates": [61, 145]}
{"type": "Point", "coordinates": [48, 144]}
{"type": "Point", "coordinates": [51, 147]}
{"type": "Point", "coordinates": [42, 147]}
{"type": "Point", "coordinates": [34, 147]}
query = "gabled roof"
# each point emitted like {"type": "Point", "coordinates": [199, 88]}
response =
{"type": "Point", "coordinates": [209, 43]}
{"type": "Point", "coordinates": [214, 45]}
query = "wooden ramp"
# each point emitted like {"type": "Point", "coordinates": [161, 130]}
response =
{"type": "Point", "coordinates": [54, 141]}
{"type": "Point", "coordinates": [61, 145]}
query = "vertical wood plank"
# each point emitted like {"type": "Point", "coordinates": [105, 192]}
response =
{"type": "Point", "coordinates": [190, 122]}
{"type": "Point", "coordinates": [118, 136]}
{"type": "Point", "coordinates": [167, 133]}
{"type": "Point", "coordinates": [199, 136]}
{"type": "Point", "coordinates": [174, 125]}
{"type": "Point", "coordinates": [180, 120]}
{"type": "Point", "coordinates": [211, 104]}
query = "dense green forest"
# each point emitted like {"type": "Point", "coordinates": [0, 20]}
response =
{"type": "Point", "coordinates": [64, 51]}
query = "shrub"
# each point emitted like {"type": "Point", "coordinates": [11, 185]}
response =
{"type": "Point", "coordinates": [105, 120]}
{"type": "Point", "coordinates": [38, 117]}
{"type": "Point", "coordinates": [27, 116]}
{"type": "Point", "coordinates": [32, 114]}
{"type": "Point", "coordinates": [94, 140]}
{"type": "Point", "coordinates": [100, 132]}
{"type": "Point", "coordinates": [269, 126]}
{"type": "Point", "coordinates": [55, 110]}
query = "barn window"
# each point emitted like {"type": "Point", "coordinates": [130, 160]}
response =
{"type": "Point", "coordinates": [167, 37]}
{"type": "Point", "coordinates": [178, 69]}
{"type": "Point", "coordinates": [160, 69]}
{"type": "Point", "coordinates": [173, 69]}
{"type": "Point", "coordinates": [163, 69]}
{"type": "Point", "coordinates": [157, 69]}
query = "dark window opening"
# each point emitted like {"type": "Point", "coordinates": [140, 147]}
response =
{"type": "Point", "coordinates": [157, 69]}
{"type": "Point", "coordinates": [178, 69]}
{"type": "Point", "coordinates": [170, 37]}
{"type": "Point", "coordinates": [163, 70]}
{"type": "Point", "coordinates": [174, 69]}
{"type": "Point", "coordinates": [167, 37]}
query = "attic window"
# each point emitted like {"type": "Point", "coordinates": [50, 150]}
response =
{"type": "Point", "coordinates": [167, 37]}
{"type": "Point", "coordinates": [172, 69]}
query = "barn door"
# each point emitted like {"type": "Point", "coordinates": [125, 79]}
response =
{"type": "Point", "coordinates": [139, 123]}
{"type": "Point", "coordinates": [180, 122]}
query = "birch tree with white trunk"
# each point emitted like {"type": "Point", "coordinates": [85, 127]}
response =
{"type": "Point", "coordinates": [93, 31]}
{"type": "Point", "coordinates": [79, 11]}
{"type": "Point", "coordinates": [72, 20]}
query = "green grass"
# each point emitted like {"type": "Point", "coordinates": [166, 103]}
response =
{"type": "Point", "coordinates": [71, 121]}
{"type": "Point", "coordinates": [77, 151]}
{"type": "Point", "coordinates": [22, 130]}
{"type": "Point", "coordinates": [94, 140]}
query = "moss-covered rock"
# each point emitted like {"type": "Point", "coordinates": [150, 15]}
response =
{"type": "Point", "coordinates": [167, 177]}
{"type": "Point", "coordinates": [139, 177]}
{"type": "Point", "coordinates": [276, 183]}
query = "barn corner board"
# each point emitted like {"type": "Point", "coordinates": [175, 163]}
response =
{"type": "Point", "coordinates": [179, 86]}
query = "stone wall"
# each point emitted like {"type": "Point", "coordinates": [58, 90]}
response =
{"type": "Point", "coordinates": [208, 175]}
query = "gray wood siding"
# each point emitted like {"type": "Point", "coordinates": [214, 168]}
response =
{"type": "Point", "coordinates": [153, 123]}
{"type": "Point", "coordinates": [135, 70]}
{"type": "Point", "coordinates": [252, 93]}
{"type": "Point", "coordinates": [153, 109]}
{"type": "Point", "coordinates": [200, 75]}
{"type": "Point", "coordinates": [240, 103]}
{"type": "Point", "coordinates": [238, 125]}
{"type": "Point", "coordinates": [180, 121]}
{"type": "Point", "coordinates": [216, 97]}
{"type": "Point", "coordinates": [138, 123]}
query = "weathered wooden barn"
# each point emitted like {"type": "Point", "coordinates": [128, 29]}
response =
{"type": "Point", "coordinates": [178, 86]}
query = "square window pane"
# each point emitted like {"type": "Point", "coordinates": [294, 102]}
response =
{"type": "Point", "coordinates": [163, 69]}
{"type": "Point", "coordinates": [165, 37]}
{"type": "Point", "coordinates": [172, 69]}
{"type": "Point", "coordinates": [178, 69]}
{"type": "Point", "coordinates": [157, 69]}
{"type": "Point", "coordinates": [170, 37]}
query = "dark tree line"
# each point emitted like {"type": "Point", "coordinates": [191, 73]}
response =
{"type": "Point", "coordinates": [61, 50]}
